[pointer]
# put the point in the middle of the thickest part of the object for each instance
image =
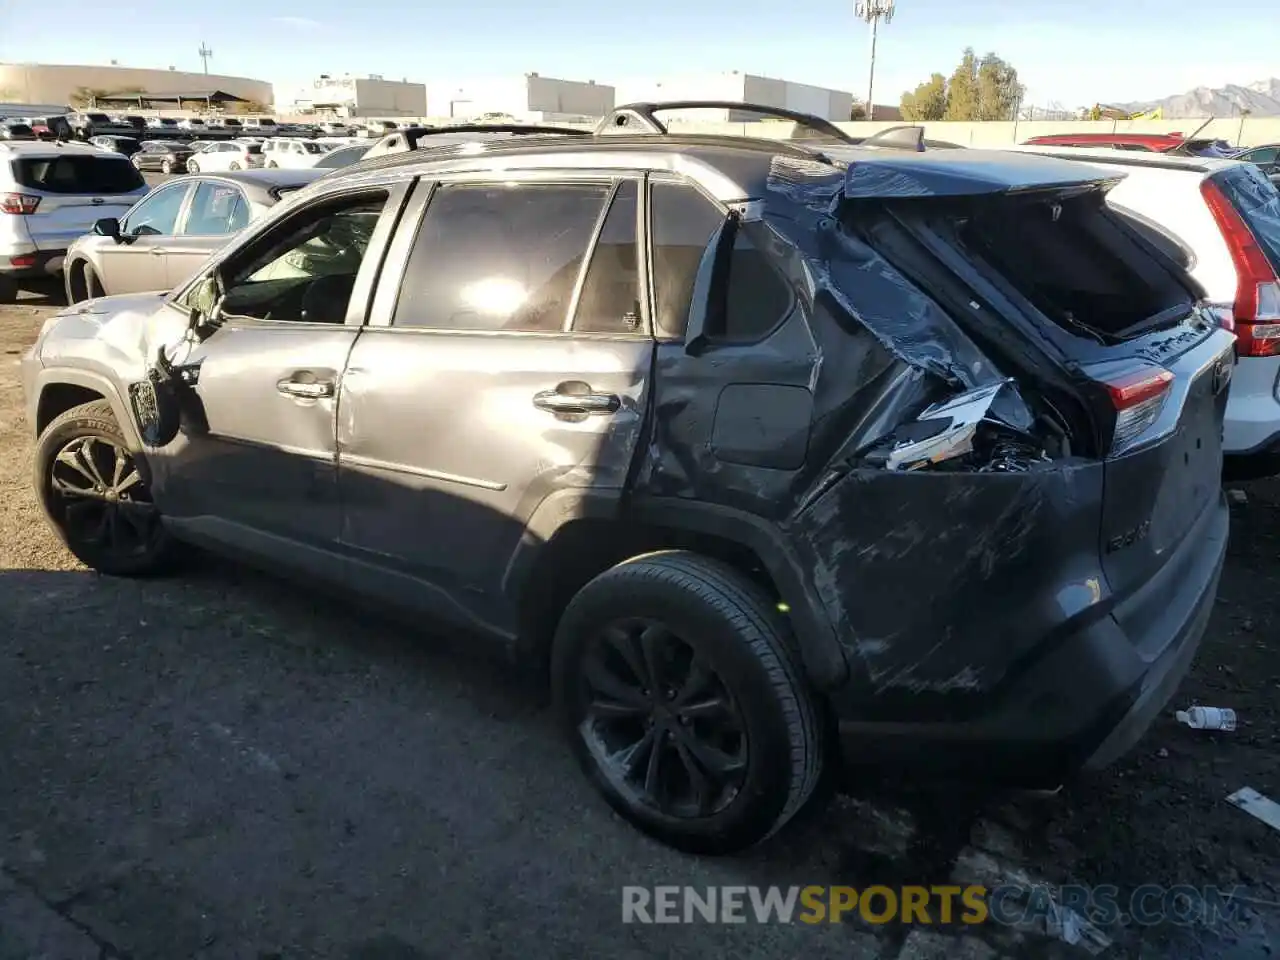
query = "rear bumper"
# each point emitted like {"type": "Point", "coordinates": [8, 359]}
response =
{"type": "Point", "coordinates": [30, 264]}
{"type": "Point", "coordinates": [1082, 700]}
{"type": "Point", "coordinates": [1252, 420]}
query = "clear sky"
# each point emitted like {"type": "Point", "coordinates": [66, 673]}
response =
{"type": "Point", "coordinates": [1074, 52]}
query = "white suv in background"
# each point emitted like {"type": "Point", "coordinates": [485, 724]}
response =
{"type": "Point", "coordinates": [224, 155]}
{"type": "Point", "coordinates": [1225, 217]}
{"type": "Point", "coordinates": [51, 194]}
{"type": "Point", "coordinates": [294, 153]}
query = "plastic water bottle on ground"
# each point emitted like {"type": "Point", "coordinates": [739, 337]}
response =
{"type": "Point", "coordinates": [1208, 718]}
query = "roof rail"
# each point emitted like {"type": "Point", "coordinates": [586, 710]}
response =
{"type": "Point", "coordinates": [411, 138]}
{"type": "Point", "coordinates": [633, 118]}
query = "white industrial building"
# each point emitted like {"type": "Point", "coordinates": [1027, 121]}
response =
{"type": "Point", "coordinates": [526, 97]}
{"type": "Point", "coordinates": [348, 96]}
{"type": "Point", "coordinates": [737, 87]}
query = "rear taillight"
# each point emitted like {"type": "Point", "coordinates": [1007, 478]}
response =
{"type": "Point", "coordinates": [1138, 392]}
{"type": "Point", "coordinates": [19, 204]}
{"type": "Point", "coordinates": [1256, 311]}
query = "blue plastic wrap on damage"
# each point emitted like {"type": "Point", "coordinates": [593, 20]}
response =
{"type": "Point", "coordinates": [859, 283]}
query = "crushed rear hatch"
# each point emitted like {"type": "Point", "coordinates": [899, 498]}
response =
{"type": "Point", "coordinates": [1069, 402]}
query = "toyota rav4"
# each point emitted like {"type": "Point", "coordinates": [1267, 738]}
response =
{"type": "Point", "coordinates": [759, 446]}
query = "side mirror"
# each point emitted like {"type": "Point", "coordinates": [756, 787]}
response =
{"type": "Point", "coordinates": [205, 304]}
{"type": "Point", "coordinates": [108, 227]}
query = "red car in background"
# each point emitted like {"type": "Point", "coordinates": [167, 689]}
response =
{"type": "Point", "coordinates": [1171, 143]}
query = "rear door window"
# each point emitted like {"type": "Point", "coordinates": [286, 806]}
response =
{"type": "Point", "coordinates": [95, 175]}
{"type": "Point", "coordinates": [610, 298]}
{"type": "Point", "coordinates": [1256, 200]}
{"type": "Point", "coordinates": [499, 256]}
{"type": "Point", "coordinates": [216, 208]}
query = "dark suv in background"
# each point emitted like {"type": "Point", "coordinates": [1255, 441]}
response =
{"type": "Point", "coordinates": [756, 445]}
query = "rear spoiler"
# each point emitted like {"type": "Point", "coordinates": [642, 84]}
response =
{"type": "Point", "coordinates": [899, 178]}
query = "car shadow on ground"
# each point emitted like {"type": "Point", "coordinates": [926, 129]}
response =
{"type": "Point", "coordinates": [1115, 828]}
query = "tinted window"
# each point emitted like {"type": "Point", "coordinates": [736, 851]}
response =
{"type": "Point", "coordinates": [1258, 202]}
{"type": "Point", "coordinates": [683, 221]}
{"type": "Point", "coordinates": [491, 257]}
{"type": "Point", "coordinates": [77, 174]}
{"type": "Point", "coordinates": [1262, 155]}
{"type": "Point", "coordinates": [216, 208]}
{"type": "Point", "coordinates": [610, 299]}
{"type": "Point", "coordinates": [253, 149]}
{"type": "Point", "coordinates": [157, 215]}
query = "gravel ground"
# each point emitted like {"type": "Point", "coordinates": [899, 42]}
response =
{"type": "Point", "coordinates": [222, 766]}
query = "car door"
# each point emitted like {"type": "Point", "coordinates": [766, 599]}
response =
{"type": "Point", "coordinates": [216, 211]}
{"type": "Point", "coordinates": [138, 262]}
{"type": "Point", "coordinates": [253, 465]}
{"type": "Point", "coordinates": [471, 400]}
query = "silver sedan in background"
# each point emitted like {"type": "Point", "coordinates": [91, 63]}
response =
{"type": "Point", "coordinates": [167, 234]}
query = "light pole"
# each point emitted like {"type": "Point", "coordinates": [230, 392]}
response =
{"type": "Point", "coordinates": [205, 54]}
{"type": "Point", "coordinates": [873, 11]}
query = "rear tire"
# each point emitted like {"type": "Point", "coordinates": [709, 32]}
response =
{"type": "Point", "coordinates": [678, 655]}
{"type": "Point", "coordinates": [234, 166]}
{"type": "Point", "coordinates": [8, 290]}
{"type": "Point", "coordinates": [95, 494]}
{"type": "Point", "coordinates": [166, 167]}
{"type": "Point", "coordinates": [193, 167]}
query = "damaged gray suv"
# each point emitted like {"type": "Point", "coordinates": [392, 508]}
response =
{"type": "Point", "coordinates": [761, 447]}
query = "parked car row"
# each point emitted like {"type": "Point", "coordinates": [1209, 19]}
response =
{"type": "Point", "coordinates": [765, 450]}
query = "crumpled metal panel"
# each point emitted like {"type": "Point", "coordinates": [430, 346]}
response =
{"type": "Point", "coordinates": [931, 577]}
{"type": "Point", "coordinates": [860, 283]}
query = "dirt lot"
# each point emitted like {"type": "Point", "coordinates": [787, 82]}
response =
{"type": "Point", "coordinates": [222, 766]}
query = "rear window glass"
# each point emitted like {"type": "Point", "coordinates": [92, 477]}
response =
{"type": "Point", "coordinates": [1066, 257]}
{"type": "Point", "coordinates": [252, 148]}
{"type": "Point", "coordinates": [1258, 202]}
{"type": "Point", "coordinates": [67, 174]}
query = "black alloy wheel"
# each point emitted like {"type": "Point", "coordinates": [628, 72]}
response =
{"type": "Point", "coordinates": [660, 721]}
{"type": "Point", "coordinates": [681, 695]}
{"type": "Point", "coordinates": [96, 495]}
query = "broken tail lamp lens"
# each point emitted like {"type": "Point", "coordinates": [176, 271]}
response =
{"type": "Point", "coordinates": [1138, 393]}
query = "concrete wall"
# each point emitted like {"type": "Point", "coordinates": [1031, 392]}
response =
{"type": "Point", "coordinates": [54, 83]}
{"type": "Point", "coordinates": [390, 98]}
{"type": "Point", "coordinates": [732, 85]}
{"type": "Point", "coordinates": [549, 95]}
{"type": "Point", "coordinates": [523, 96]}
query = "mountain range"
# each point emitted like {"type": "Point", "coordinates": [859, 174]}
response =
{"type": "Point", "coordinates": [1261, 99]}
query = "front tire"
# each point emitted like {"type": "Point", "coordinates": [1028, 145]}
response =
{"type": "Point", "coordinates": [166, 167]}
{"type": "Point", "coordinates": [234, 166]}
{"type": "Point", "coordinates": [95, 494]}
{"type": "Point", "coordinates": [675, 681]}
{"type": "Point", "coordinates": [193, 167]}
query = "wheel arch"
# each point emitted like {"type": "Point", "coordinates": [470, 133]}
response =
{"type": "Point", "coordinates": [576, 535]}
{"type": "Point", "coordinates": [70, 388]}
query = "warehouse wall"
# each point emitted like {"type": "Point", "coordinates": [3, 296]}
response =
{"type": "Point", "coordinates": [54, 83]}
{"type": "Point", "coordinates": [550, 95]}
{"type": "Point", "coordinates": [391, 98]}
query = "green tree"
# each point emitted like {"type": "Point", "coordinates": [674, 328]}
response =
{"type": "Point", "coordinates": [962, 89]}
{"type": "Point", "coordinates": [999, 91]}
{"type": "Point", "coordinates": [928, 101]}
{"type": "Point", "coordinates": [858, 111]}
